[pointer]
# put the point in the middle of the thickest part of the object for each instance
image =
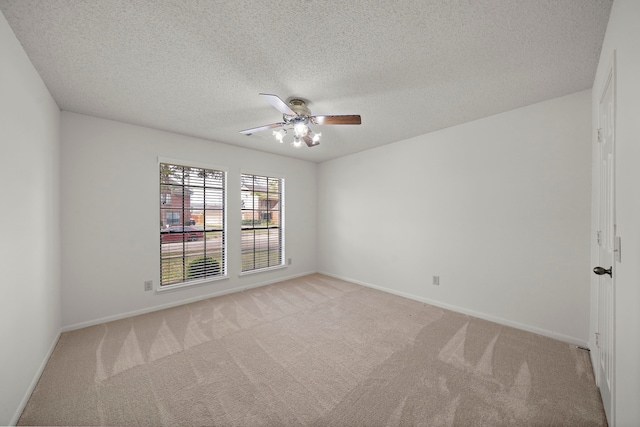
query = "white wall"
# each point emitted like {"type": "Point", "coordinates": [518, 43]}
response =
{"type": "Point", "coordinates": [499, 208]}
{"type": "Point", "coordinates": [622, 35]}
{"type": "Point", "coordinates": [110, 202]}
{"type": "Point", "coordinates": [30, 218]}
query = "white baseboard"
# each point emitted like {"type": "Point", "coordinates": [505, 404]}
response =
{"type": "Point", "coordinates": [462, 310]}
{"type": "Point", "coordinates": [177, 303]}
{"type": "Point", "coordinates": [34, 382]}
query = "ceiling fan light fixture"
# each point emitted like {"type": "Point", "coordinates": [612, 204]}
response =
{"type": "Point", "coordinates": [297, 142]}
{"type": "Point", "coordinates": [316, 137]}
{"type": "Point", "coordinates": [300, 129]}
{"type": "Point", "coordinates": [280, 134]}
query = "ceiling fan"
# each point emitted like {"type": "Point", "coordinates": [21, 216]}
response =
{"type": "Point", "coordinates": [296, 116]}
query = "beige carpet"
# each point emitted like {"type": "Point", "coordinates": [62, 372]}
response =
{"type": "Point", "coordinates": [313, 351]}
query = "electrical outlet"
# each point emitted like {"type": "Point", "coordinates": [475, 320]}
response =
{"type": "Point", "coordinates": [436, 280]}
{"type": "Point", "coordinates": [148, 285]}
{"type": "Point", "coordinates": [289, 261]}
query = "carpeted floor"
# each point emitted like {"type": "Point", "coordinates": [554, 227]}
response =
{"type": "Point", "coordinates": [313, 351]}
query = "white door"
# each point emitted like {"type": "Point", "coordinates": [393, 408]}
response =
{"type": "Point", "coordinates": [607, 247]}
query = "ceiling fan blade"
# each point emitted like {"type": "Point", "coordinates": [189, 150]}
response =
{"type": "Point", "coordinates": [310, 142]}
{"type": "Point", "coordinates": [278, 104]}
{"type": "Point", "coordinates": [336, 120]}
{"type": "Point", "coordinates": [261, 128]}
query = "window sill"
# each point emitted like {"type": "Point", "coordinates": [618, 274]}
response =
{"type": "Point", "coordinates": [190, 283]}
{"type": "Point", "coordinates": [262, 270]}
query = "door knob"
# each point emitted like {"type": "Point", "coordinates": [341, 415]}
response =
{"type": "Point", "coordinates": [600, 271]}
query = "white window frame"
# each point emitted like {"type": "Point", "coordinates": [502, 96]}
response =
{"type": "Point", "coordinates": [223, 263]}
{"type": "Point", "coordinates": [282, 225]}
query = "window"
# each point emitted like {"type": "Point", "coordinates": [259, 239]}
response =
{"type": "Point", "coordinates": [262, 240]}
{"type": "Point", "coordinates": [192, 223]}
{"type": "Point", "coordinates": [173, 218]}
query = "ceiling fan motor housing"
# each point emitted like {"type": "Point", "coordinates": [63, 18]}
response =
{"type": "Point", "coordinates": [300, 107]}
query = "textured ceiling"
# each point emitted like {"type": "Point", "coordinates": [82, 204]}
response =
{"type": "Point", "coordinates": [408, 67]}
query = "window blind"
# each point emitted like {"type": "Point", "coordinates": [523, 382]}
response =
{"type": "Point", "coordinates": [192, 223]}
{"type": "Point", "coordinates": [262, 222]}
